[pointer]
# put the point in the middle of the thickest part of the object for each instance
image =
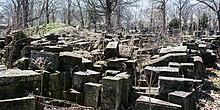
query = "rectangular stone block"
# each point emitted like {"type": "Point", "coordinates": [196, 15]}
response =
{"type": "Point", "coordinates": [126, 88]}
{"type": "Point", "coordinates": [17, 83]}
{"type": "Point", "coordinates": [111, 93]}
{"type": "Point", "coordinates": [170, 84]}
{"type": "Point", "coordinates": [23, 103]}
{"type": "Point", "coordinates": [112, 50]}
{"type": "Point", "coordinates": [68, 60]}
{"type": "Point", "coordinates": [73, 96]}
{"type": "Point", "coordinates": [187, 70]}
{"type": "Point", "coordinates": [185, 99]}
{"type": "Point", "coordinates": [126, 51]}
{"type": "Point", "coordinates": [82, 77]}
{"type": "Point", "coordinates": [55, 81]}
{"type": "Point", "coordinates": [174, 64]}
{"type": "Point", "coordinates": [161, 71]}
{"type": "Point", "coordinates": [92, 94]}
{"type": "Point", "coordinates": [44, 60]}
{"type": "Point", "coordinates": [180, 49]}
{"type": "Point", "coordinates": [148, 103]}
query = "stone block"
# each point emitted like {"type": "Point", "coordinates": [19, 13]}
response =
{"type": "Point", "coordinates": [126, 51]}
{"type": "Point", "coordinates": [185, 99]}
{"type": "Point", "coordinates": [187, 70]}
{"type": "Point", "coordinates": [55, 81]}
{"type": "Point", "coordinates": [73, 96]}
{"type": "Point", "coordinates": [18, 83]}
{"type": "Point", "coordinates": [148, 103]}
{"type": "Point", "coordinates": [174, 64]}
{"type": "Point", "coordinates": [180, 49]}
{"type": "Point", "coordinates": [44, 60]}
{"type": "Point", "coordinates": [170, 57]}
{"type": "Point", "coordinates": [87, 63]}
{"type": "Point", "coordinates": [92, 94]}
{"type": "Point", "coordinates": [82, 77]}
{"type": "Point", "coordinates": [111, 93]}
{"type": "Point", "coordinates": [69, 60]}
{"type": "Point", "coordinates": [22, 63]}
{"type": "Point", "coordinates": [111, 72]}
{"type": "Point", "coordinates": [46, 76]}
{"type": "Point", "coordinates": [112, 50]}
{"type": "Point", "coordinates": [170, 84]}
{"type": "Point", "coordinates": [161, 71]}
{"type": "Point", "coordinates": [126, 88]}
{"type": "Point", "coordinates": [56, 94]}
{"type": "Point", "coordinates": [23, 103]}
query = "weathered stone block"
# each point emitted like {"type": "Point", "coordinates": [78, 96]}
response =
{"type": "Point", "coordinates": [23, 63]}
{"type": "Point", "coordinates": [92, 94]}
{"type": "Point", "coordinates": [126, 51]}
{"type": "Point", "coordinates": [174, 64]}
{"type": "Point", "coordinates": [112, 50]}
{"type": "Point", "coordinates": [126, 88]}
{"type": "Point", "coordinates": [186, 99]}
{"type": "Point", "coordinates": [111, 93]}
{"type": "Point", "coordinates": [44, 60]}
{"type": "Point", "coordinates": [187, 70]}
{"type": "Point", "coordinates": [73, 96]}
{"type": "Point", "coordinates": [82, 77]}
{"type": "Point", "coordinates": [170, 84]}
{"type": "Point", "coordinates": [148, 103]}
{"type": "Point", "coordinates": [55, 81]}
{"type": "Point", "coordinates": [68, 60]}
{"type": "Point", "coordinates": [18, 83]}
{"type": "Point", "coordinates": [23, 103]}
{"type": "Point", "coordinates": [87, 63]}
{"type": "Point", "coordinates": [161, 71]}
{"type": "Point", "coordinates": [111, 72]}
{"type": "Point", "coordinates": [180, 49]}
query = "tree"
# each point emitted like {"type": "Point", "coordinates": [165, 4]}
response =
{"type": "Point", "coordinates": [181, 6]}
{"type": "Point", "coordinates": [215, 6]}
{"type": "Point", "coordinates": [203, 21]}
{"type": "Point", "coordinates": [174, 23]}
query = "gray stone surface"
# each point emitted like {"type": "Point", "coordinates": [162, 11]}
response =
{"type": "Point", "coordinates": [44, 60]}
{"type": "Point", "coordinates": [186, 99]}
{"type": "Point", "coordinates": [187, 70]}
{"type": "Point", "coordinates": [161, 71]}
{"type": "Point", "coordinates": [111, 93]}
{"type": "Point", "coordinates": [82, 77]}
{"type": "Point", "coordinates": [148, 103]}
{"type": "Point", "coordinates": [126, 88]}
{"type": "Point", "coordinates": [55, 81]}
{"type": "Point", "coordinates": [68, 60]}
{"type": "Point", "coordinates": [180, 49]}
{"type": "Point", "coordinates": [23, 103]}
{"type": "Point", "coordinates": [170, 84]}
{"type": "Point", "coordinates": [174, 64]}
{"type": "Point", "coordinates": [92, 94]}
{"type": "Point", "coordinates": [112, 49]}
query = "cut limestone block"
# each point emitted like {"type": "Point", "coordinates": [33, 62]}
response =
{"type": "Point", "coordinates": [55, 81]}
{"type": "Point", "coordinates": [199, 68]}
{"type": "Point", "coordinates": [112, 50]}
{"type": "Point", "coordinates": [69, 60]}
{"type": "Point", "coordinates": [126, 51]}
{"type": "Point", "coordinates": [170, 84]}
{"type": "Point", "coordinates": [92, 94]}
{"type": "Point", "coordinates": [44, 60]}
{"type": "Point", "coordinates": [180, 49]}
{"type": "Point", "coordinates": [73, 96]}
{"type": "Point", "coordinates": [111, 72]}
{"type": "Point", "coordinates": [161, 71]}
{"type": "Point", "coordinates": [111, 93]}
{"type": "Point", "coordinates": [174, 64]}
{"type": "Point", "coordinates": [186, 99]}
{"type": "Point", "coordinates": [148, 103]}
{"type": "Point", "coordinates": [126, 88]}
{"type": "Point", "coordinates": [23, 103]}
{"type": "Point", "coordinates": [82, 77]}
{"type": "Point", "coordinates": [18, 83]}
{"type": "Point", "coordinates": [187, 70]}
{"type": "Point", "coordinates": [87, 63]}
{"type": "Point", "coordinates": [165, 59]}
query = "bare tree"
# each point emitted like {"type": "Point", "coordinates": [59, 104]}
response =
{"type": "Point", "coordinates": [215, 6]}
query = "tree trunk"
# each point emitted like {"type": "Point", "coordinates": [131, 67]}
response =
{"type": "Point", "coordinates": [25, 13]}
{"type": "Point", "coordinates": [47, 12]}
{"type": "Point", "coordinates": [164, 15]}
{"type": "Point", "coordinates": [69, 12]}
{"type": "Point", "coordinates": [218, 17]}
{"type": "Point", "coordinates": [108, 15]}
